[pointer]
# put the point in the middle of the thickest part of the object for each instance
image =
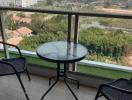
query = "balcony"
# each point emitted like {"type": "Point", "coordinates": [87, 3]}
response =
{"type": "Point", "coordinates": [89, 73]}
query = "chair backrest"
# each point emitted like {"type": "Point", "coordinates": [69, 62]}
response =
{"type": "Point", "coordinates": [12, 54]}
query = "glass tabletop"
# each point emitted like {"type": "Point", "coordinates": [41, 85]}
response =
{"type": "Point", "coordinates": [61, 51]}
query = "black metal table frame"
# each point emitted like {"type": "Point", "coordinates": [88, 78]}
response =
{"type": "Point", "coordinates": [53, 53]}
{"type": "Point", "coordinates": [61, 73]}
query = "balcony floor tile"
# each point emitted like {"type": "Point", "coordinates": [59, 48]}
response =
{"type": "Point", "coordinates": [10, 89]}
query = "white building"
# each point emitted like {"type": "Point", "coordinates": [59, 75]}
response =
{"type": "Point", "coordinates": [19, 3]}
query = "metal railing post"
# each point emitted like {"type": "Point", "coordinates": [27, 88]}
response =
{"type": "Point", "coordinates": [76, 29]}
{"type": "Point", "coordinates": [3, 33]}
{"type": "Point", "coordinates": [69, 34]}
{"type": "Point", "coordinates": [74, 65]}
{"type": "Point", "coordinates": [69, 27]}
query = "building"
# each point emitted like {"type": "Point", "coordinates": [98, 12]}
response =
{"type": "Point", "coordinates": [19, 3]}
{"type": "Point", "coordinates": [16, 36]}
{"type": "Point", "coordinates": [24, 31]}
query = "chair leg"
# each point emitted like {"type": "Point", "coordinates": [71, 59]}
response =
{"type": "Point", "coordinates": [130, 79]}
{"type": "Point", "coordinates": [29, 78]}
{"type": "Point", "coordinates": [23, 88]}
{"type": "Point", "coordinates": [75, 81]}
{"type": "Point", "coordinates": [51, 79]}
{"type": "Point", "coordinates": [97, 95]}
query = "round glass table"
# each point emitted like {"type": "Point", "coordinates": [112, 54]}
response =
{"type": "Point", "coordinates": [61, 52]}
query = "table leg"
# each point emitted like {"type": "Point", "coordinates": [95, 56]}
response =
{"type": "Point", "coordinates": [53, 77]}
{"type": "Point", "coordinates": [57, 79]}
{"type": "Point", "coordinates": [70, 89]}
{"type": "Point", "coordinates": [74, 80]}
{"type": "Point", "coordinates": [49, 89]}
{"type": "Point", "coordinates": [65, 77]}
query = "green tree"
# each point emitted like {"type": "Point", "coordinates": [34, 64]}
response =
{"type": "Point", "coordinates": [106, 43]}
{"type": "Point", "coordinates": [49, 2]}
{"type": "Point", "coordinates": [21, 14]}
{"type": "Point", "coordinates": [10, 24]}
{"type": "Point", "coordinates": [54, 25]}
{"type": "Point", "coordinates": [44, 31]}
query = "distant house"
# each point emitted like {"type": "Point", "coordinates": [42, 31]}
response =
{"type": "Point", "coordinates": [21, 32]}
{"type": "Point", "coordinates": [16, 36]}
{"type": "Point", "coordinates": [24, 31]}
{"type": "Point", "coordinates": [19, 3]}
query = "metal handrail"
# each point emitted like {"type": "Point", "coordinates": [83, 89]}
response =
{"type": "Point", "coordinates": [66, 12]}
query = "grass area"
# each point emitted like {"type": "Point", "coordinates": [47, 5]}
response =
{"type": "Point", "coordinates": [90, 70]}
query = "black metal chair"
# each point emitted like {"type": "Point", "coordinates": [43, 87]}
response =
{"type": "Point", "coordinates": [120, 89]}
{"type": "Point", "coordinates": [15, 66]}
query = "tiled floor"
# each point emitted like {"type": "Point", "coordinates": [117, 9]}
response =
{"type": "Point", "coordinates": [10, 89]}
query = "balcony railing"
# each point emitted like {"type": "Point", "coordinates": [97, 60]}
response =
{"type": "Point", "coordinates": [70, 36]}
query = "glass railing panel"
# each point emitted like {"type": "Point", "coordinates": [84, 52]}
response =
{"type": "Point", "coordinates": [29, 30]}
{"type": "Point", "coordinates": [109, 41]}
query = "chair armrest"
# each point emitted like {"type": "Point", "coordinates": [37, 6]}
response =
{"type": "Point", "coordinates": [116, 88]}
{"type": "Point", "coordinates": [115, 80]}
{"type": "Point", "coordinates": [12, 46]}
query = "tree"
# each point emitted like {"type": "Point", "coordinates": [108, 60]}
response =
{"type": "Point", "coordinates": [10, 24]}
{"type": "Point", "coordinates": [49, 2]}
{"type": "Point", "coordinates": [44, 31]}
{"type": "Point", "coordinates": [106, 43]}
{"type": "Point", "coordinates": [21, 14]}
{"type": "Point", "coordinates": [107, 3]}
{"type": "Point", "coordinates": [53, 25]}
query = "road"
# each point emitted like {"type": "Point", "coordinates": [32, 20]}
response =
{"type": "Point", "coordinates": [98, 25]}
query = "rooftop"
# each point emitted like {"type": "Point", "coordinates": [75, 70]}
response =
{"type": "Point", "coordinates": [24, 31]}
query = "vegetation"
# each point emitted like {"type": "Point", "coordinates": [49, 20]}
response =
{"type": "Point", "coordinates": [103, 45]}
{"type": "Point", "coordinates": [31, 43]}
{"type": "Point", "coordinates": [52, 25]}
{"type": "Point", "coordinates": [15, 24]}
{"type": "Point", "coordinates": [106, 43]}
{"type": "Point", "coordinates": [114, 22]}
{"type": "Point", "coordinates": [44, 31]}
{"type": "Point", "coordinates": [20, 14]}
{"type": "Point", "coordinates": [10, 24]}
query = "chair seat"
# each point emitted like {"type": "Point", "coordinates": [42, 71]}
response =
{"type": "Point", "coordinates": [114, 94]}
{"type": "Point", "coordinates": [18, 63]}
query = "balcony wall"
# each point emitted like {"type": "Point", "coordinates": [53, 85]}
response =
{"type": "Point", "coordinates": [84, 79]}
